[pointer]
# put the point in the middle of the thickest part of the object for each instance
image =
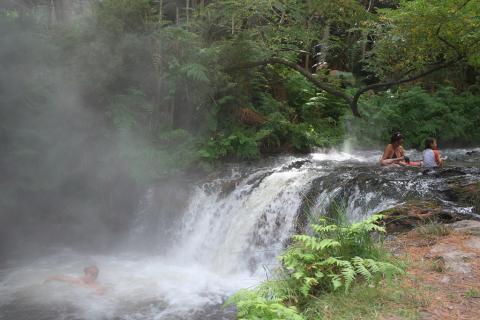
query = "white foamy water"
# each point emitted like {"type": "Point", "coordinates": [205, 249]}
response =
{"type": "Point", "coordinates": [137, 287]}
{"type": "Point", "coordinates": [239, 231]}
{"type": "Point", "coordinates": [340, 156]}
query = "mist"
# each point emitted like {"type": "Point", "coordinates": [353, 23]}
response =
{"type": "Point", "coordinates": [63, 179]}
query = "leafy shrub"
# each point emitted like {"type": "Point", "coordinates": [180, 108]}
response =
{"type": "Point", "coordinates": [332, 257]}
{"type": "Point", "coordinates": [252, 306]}
{"type": "Point", "coordinates": [241, 144]}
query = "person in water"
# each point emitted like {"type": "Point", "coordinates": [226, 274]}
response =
{"type": "Point", "coordinates": [431, 155]}
{"type": "Point", "coordinates": [394, 153]}
{"type": "Point", "coordinates": [88, 280]}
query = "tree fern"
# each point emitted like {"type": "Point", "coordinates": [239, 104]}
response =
{"type": "Point", "coordinates": [195, 71]}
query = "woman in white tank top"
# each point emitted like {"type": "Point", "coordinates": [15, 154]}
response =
{"type": "Point", "coordinates": [431, 156]}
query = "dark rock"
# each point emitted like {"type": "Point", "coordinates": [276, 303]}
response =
{"type": "Point", "coordinates": [296, 165]}
{"type": "Point", "coordinates": [467, 195]}
{"type": "Point", "coordinates": [411, 214]}
{"type": "Point", "coordinates": [228, 187]}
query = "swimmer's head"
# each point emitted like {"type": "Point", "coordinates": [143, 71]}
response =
{"type": "Point", "coordinates": [91, 273]}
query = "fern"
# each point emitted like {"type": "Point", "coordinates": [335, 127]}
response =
{"type": "Point", "coordinates": [343, 252]}
{"type": "Point", "coordinates": [195, 71]}
{"type": "Point", "coordinates": [361, 268]}
{"type": "Point", "coordinates": [335, 257]}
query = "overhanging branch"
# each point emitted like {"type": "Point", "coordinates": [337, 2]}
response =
{"type": "Point", "coordinates": [352, 101]}
{"type": "Point", "coordinates": [388, 84]}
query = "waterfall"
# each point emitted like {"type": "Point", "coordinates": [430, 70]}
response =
{"type": "Point", "coordinates": [247, 227]}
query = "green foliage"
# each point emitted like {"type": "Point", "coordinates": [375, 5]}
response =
{"type": "Point", "coordinates": [119, 16]}
{"type": "Point", "coordinates": [449, 116]}
{"type": "Point", "coordinates": [131, 114]}
{"type": "Point", "coordinates": [472, 293]}
{"type": "Point", "coordinates": [125, 111]}
{"type": "Point", "coordinates": [423, 32]}
{"type": "Point", "coordinates": [241, 144]}
{"type": "Point", "coordinates": [333, 257]}
{"type": "Point", "coordinates": [252, 306]}
{"type": "Point", "coordinates": [185, 77]}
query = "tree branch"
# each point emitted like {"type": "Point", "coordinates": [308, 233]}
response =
{"type": "Point", "coordinates": [448, 44]}
{"type": "Point", "coordinates": [310, 77]}
{"type": "Point", "coordinates": [388, 84]}
{"type": "Point", "coordinates": [351, 100]}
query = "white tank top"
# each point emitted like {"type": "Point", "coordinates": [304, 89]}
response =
{"type": "Point", "coordinates": [429, 159]}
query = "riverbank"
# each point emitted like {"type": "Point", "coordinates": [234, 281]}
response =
{"type": "Point", "coordinates": [443, 264]}
{"type": "Point", "coordinates": [441, 280]}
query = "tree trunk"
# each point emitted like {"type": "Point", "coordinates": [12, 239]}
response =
{"type": "Point", "coordinates": [321, 56]}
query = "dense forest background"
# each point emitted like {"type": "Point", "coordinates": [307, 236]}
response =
{"type": "Point", "coordinates": [100, 97]}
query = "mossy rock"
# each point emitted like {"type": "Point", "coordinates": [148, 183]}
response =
{"type": "Point", "coordinates": [411, 214]}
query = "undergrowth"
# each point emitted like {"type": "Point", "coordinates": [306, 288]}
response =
{"type": "Point", "coordinates": [336, 271]}
{"type": "Point", "coordinates": [434, 230]}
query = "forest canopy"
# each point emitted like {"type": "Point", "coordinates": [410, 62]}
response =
{"type": "Point", "coordinates": [168, 86]}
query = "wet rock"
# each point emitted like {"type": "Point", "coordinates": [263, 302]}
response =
{"type": "Point", "coordinates": [470, 227]}
{"type": "Point", "coordinates": [296, 164]}
{"type": "Point", "coordinates": [467, 194]}
{"type": "Point", "coordinates": [228, 187]}
{"type": "Point", "coordinates": [414, 213]}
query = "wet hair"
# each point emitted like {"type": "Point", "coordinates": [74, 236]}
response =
{"type": "Point", "coordinates": [93, 269]}
{"type": "Point", "coordinates": [428, 142]}
{"type": "Point", "coordinates": [397, 136]}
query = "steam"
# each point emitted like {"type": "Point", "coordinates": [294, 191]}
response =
{"type": "Point", "coordinates": [62, 179]}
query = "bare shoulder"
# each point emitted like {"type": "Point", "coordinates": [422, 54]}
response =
{"type": "Point", "coordinates": [387, 152]}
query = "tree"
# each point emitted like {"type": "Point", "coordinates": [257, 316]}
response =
{"type": "Point", "coordinates": [411, 42]}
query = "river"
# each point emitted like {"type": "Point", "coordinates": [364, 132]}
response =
{"type": "Point", "coordinates": [184, 263]}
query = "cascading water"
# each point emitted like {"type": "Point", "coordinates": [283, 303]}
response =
{"type": "Point", "coordinates": [183, 263]}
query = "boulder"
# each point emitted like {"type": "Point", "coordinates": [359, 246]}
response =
{"type": "Point", "coordinates": [470, 227]}
{"type": "Point", "coordinates": [468, 195]}
{"type": "Point", "coordinates": [411, 214]}
{"type": "Point", "coordinates": [453, 257]}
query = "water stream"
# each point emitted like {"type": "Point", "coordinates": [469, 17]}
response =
{"type": "Point", "coordinates": [184, 264]}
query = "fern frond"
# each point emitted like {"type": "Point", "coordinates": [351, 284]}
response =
{"type": "Point", "coordinates": [360, 268]}
{"type": "Point", "coordinates": [349, 275]}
